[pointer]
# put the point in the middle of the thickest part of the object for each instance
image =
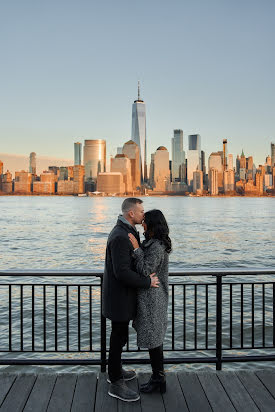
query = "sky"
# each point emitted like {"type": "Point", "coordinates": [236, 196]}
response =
{"type": "Point", "coordinates": [69, 72]}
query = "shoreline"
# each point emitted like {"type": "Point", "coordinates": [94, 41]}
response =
{"type": "Point", "coordinates": [137, 195]}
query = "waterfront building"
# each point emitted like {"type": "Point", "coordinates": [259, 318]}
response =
{"type": "Point", "coordinates": [194, 157]}
{"type": "Point", "coordinates": [63, 173]}
{"type": "Point", "coordinates": [139, 132]}
{"type": "Point", "coordinates": [32, 163]}
{"type": "Point", "coordinates": [242, 173]}
{"type": "Point", "coordinates": [77, 153]}
{"type": "Point", "coordinates": [229, 181]}
{"type": "Point", "coordinates": [260, 183]}
{"type": "Point", "coordinates": [242, 161]}
{"type": "Point", "coordinates": [161, 170]}
{"type": "Point", "coordinates": [178, 157]}
{"type": "Point", "coordinates": [94, 158]}
{"type": "Point", "coordinates": [110, 183]}
{"type": "Point", "coordinates": [179, 187]}
{"type": "Point", "coordinates": [249, 166]}
{"type": "Point", "coordinates": [7, 182]}
{"type": "Point", "coordinates": [131, 150]}
{"type": "Point", "coordinates": [46, 185]}
{"type": "Point", "coordinates": [213, 182]}
{"type": "Point", "coordinates": [273, 177]}
{"type": "Point", "coordinates": [23, 182]}
{"type": "Point", "coordinates": [250, 188]}
{"type": "Point", "coordinates": [230, 162]}
{"type": "Point", "coordinates": [224, 154]}
{"type": "Point", "coordinates": [1, 168]}
{"type": "Point", "coordinates": [267, 181]}
{"type": "Point", "coordinates": [78, 179]}
{"type": "Point", "coordinates": [65, 187]}
{"type": "Point", "coordinates": [198, 182]}
{"type": "Point", "coordinates": [121, 163]}
{"type": "Point", "coordinates": [215, 162]}
{"type": "Point", "coordinates": [272, 154]}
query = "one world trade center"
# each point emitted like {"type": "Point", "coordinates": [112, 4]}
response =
{"type": "Point", "coordinates": [139, 132]}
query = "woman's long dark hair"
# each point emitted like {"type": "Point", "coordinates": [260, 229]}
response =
{"type": "Point", "coordinates": [157, 228]}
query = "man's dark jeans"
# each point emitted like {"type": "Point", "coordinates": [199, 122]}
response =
{"type": "Point", "coordinates": [118, 339]}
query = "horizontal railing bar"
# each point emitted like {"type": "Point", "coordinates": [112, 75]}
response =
{"type": "Point", "coordinates": [51, 284]}
{"type": "Point", "coordinates": [96, 273]}
{"type": "Point", "coordinates": [248, 358]}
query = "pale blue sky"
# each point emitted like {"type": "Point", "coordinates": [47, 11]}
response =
{"type": "Point", "coordinates": [69, 71]}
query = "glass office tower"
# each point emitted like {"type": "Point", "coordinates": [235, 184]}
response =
{"type": "Point", "coordinates": [178, 157]}
{"type": "Point", "coordinates": [194, 157]}
{"type": "Point", "coordinates": [139, 132]}
{"type": "Point", "coordinates": [94, 158]}
{"type": "Point", "coordinates": [77, 153]}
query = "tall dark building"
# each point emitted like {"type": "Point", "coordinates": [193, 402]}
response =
{"type": "Point", "coordinates": [203, 168]}
{"type": "Point", "coordinates": [272, 154]}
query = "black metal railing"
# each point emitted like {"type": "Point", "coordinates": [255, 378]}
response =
{"type": "Point", "coordinates": [213, 317]}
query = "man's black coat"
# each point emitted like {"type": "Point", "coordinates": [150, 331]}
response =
{"type": "Point", "coordinates": [120, 280]}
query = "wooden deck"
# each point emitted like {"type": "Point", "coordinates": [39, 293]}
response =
{"type": "Point", "coordinates": [186, 391]}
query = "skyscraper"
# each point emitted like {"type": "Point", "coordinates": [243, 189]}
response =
{"type": "Point", "coordinates": [230, 162]}
{"type": "Point", "coordinates": [194, 157]}
{"type": "Point", "coordinates": [224, 143]}
{"type": "Point", "coordinates": [215, 162]}
{"type": "Point", "coordinates": [139, 132]}
{"type": "Point", "coordinates": [178, 157]}
{"type": "Point", "coordinates": [272, 154]}
{"type": "Point", "coordinates": [77, 153]}
{"type": "Point", "coordinates": [131, 150]}
{"type": "Point", "coordinates": [32, 164]}
{"type": "Point", "coordinates": [161, 170]}
{"type": "Point", "coordinates": [94, 158]}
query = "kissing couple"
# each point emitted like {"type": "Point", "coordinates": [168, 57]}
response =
{"type": "Point", "coordinates": [135, 287]}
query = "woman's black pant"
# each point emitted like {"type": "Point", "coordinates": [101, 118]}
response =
{"type": "Point", "coordinates": [156, 359]}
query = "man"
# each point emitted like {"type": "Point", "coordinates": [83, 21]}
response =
{"type": "Point", "coordinates": [120, 284]}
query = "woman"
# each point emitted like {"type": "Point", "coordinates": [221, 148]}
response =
{"type": "Point", "coordinates": [151, 320]}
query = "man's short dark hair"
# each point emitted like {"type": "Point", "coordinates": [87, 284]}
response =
{"type": "Point", "coordinates": [129, 203]}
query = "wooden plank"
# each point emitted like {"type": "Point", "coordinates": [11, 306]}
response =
{"type": "Point", "coordinates": [173, 398]}
{"type": "Point", "coordinates": [130, 406]}
{"type": "Point", "coordinates": [257, 391]}
{"type": "Point", "coordinates": [152, 402]}
{"type": "Point", "coordinates": [63, 392]}
{"type": "Point", "coordinates": [236, 392]}
{"type": "Point", "coordinates": [215, 392]}
{"type": "Point", "coordinates": [104, 402]}
{"type": "Point", "coordinates": [19, 393]}
{"type": "Point", "coordinates": [193, 392]}
{"type": "Point", "coordinates": [41, 393]}
{"type": "Point", "coordinates": [268, 379]}
{"type": "Point", "coordinates": [6, 381]}
{"type": "Point", "coordinates": [85, 392]}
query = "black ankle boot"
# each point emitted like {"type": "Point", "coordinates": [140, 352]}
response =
{"type": "Point", "coordinates": [156, 382]}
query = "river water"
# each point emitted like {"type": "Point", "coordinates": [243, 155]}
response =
{"type": "Point", "coordinates": [71, 232]}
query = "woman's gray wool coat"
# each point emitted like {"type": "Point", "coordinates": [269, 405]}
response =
{"type": "Point", "coordinates": [151, 320]}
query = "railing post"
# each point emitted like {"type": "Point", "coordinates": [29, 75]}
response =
{"type": "Point", "coordinates": [219, 323]}
{"type": "Point", "coordinates": [102, 333]}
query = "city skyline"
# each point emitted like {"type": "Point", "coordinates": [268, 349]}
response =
{"type": "Point", "coordinates": [68, 80]}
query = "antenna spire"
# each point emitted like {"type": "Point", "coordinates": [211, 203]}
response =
{"type": "Point", "coordinates": [138, 90]}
